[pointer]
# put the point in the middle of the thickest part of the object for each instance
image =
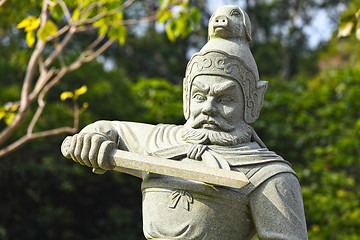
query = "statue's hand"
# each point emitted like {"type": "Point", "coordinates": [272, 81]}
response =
{"type": "Point", "coordinates": [90, 150]}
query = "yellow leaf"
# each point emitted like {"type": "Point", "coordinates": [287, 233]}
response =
{"type": "Point", "coordinates": [2, 114]}
{"type": "Point", "coordinates": [65, 95]}
{"type": "Point", "coordinates": [33, 25]}
{"type": "Point", "coordinates": [122, 35]}
{"type": "Point", "coordinates": [345, 29]}
{"type": "Point", "coordinates": [315, 228]}
{"type": "Point", "coordinates": [85, 105]}
{"type": "Point", "coordinates": [26, 22]}
{"type": "Point", "coordinates": [103, 29]}
{"type": "Point", "coordinates": [99, 22]}
{"type": "Point", "coordinates": [164, 4]}
{"type": "Point", "coordinates": [9, 118]}
{"type": "Point", "coordinates": [13, 108]}
{"type": "Point", "coordinates": [75, 15]}
{"type": "Point", "coordinates": [30, 38]}
{"type": "Point", "coordinates": [164, 15]}
{"type": "Point", "coordinates": [340, 193]}
{"type": "Point", "coordinates": [47, 30]}
{"type": "Point", "coordinates": [81, 91]}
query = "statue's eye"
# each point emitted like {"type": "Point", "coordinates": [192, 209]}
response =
{"type": "Point", "coordinates": [225, 99]}
{"type": "Point", "coordinates": [199, 97]}
{"type": "Point", "coordinates": [235, 12]}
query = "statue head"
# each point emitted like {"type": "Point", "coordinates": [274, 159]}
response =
{"type": "Point", "coordinates": [224, 67]}
{"type": "Point", "coordinates": [230, 22]}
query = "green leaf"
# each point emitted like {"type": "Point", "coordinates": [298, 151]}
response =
{"type": "Point", "coordinates": [87, 2]}
{"type": "Point", "coordinates": [164, 15]}
{"type": "Point", "coordinates": [170, 29]}
{"type": "Point", "coordinates": [357, 31]}
{"type": "Point", "coordinates": [47, 30]}
{"type": "Point", "coordinates": [30, 38]}
{"type": "Point", "coordinates": [164, 4]}
{"type": "Point", "coordinates": [118, 33]}
{"type": "Point", "coordinates": [57, 13]}
{"type": "Point", "coordinates": [195, 16]}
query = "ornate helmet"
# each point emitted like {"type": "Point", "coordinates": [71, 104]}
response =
{"type": "Point", "coordinates": [217, 62]}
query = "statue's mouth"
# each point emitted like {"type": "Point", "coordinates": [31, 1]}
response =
{"type": "Point", "coordinates": [212, 124]}
{"type": "Point", "coordinates": [207, 124]}
{"type": "Point", "coordinates": [221, 31]}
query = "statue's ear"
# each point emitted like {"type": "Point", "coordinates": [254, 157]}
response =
{"type": "Point", "coordinates": [247, 25]}
{"type": "Point", "coordinates": [210, 26]}
{"type": "Point", "coordinates": [254, 104]}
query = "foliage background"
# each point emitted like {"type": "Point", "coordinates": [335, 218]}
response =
{"type": "Point", "coordinates": [310, 117]}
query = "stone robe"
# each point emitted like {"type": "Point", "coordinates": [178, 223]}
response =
{"type": "Point", "coordinates": [173, 208]}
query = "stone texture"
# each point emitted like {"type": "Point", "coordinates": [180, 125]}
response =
{"type": "Point", "coordinates": [222, 96]}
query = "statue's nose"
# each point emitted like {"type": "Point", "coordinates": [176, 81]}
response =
{"type": "Point", "coordinates": [220, 21]}
{"type": "Point", "coordinates": [208, 109]}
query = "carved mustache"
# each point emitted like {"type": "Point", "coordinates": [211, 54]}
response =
{"type": "Point", "coordinates": [222, 126]}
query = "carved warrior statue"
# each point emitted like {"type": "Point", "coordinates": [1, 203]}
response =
{"type": "Point", "coordinates": [212, 178]}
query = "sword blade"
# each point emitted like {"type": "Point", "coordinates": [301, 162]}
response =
{"type": "Point", "coordinates": [185, 170]}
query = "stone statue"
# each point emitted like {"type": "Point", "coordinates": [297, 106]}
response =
{"type": "Point", "coordinates": [222, 97]}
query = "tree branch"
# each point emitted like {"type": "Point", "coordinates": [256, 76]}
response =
{"type": "Point", "coordinates": [101, 15]}
{"type": "Point", "coordinates": [48, 78]}
{"type": "Point", "coordinates": [85, 29]}
{"type": "Point", "coordinates": [65, 10]}
{"type": "Point", "coordinates": [36, 116]}
{"type": "Point", "coordinates": [2, 2]}
{"type": "Point", "coordinates": [89, 55]}
{"type": "Point", "coordinates": [24, 102]}
{"type": "Point", "coordinates": [59, 49]}
{"type": "Point", "coordinates": [59, 33]}
{"type": "Point", "coordinates": [76, 115]}
{"type": "Point", "coordinates": [96, 42]}
{"type": "Point", "coordinates": [135, 21]}
{"type": "Point", "coordinates": [27, 138]}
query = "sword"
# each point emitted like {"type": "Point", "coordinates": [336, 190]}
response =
{"type": "Point", "coordinates": [111, 158]}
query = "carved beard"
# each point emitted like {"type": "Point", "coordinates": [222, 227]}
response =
{"type": "Point", "coordinates": [241, 134]}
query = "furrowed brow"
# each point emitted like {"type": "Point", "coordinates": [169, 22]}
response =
{"type": "Point", "coordinates": [200, 86]}
{"type": "Point", "coordinates": [224, 87]}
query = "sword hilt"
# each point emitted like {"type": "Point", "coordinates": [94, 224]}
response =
{"type": "Point", "coordinates": [104, 159]}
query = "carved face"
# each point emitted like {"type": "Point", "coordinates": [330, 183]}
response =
{"type": "Point", "coordinates": [216, 103]}
{"type": "Point", "coordinates": [229, 22]}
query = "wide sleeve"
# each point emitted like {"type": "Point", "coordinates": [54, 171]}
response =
{"type": "Point", "coordinates": [277, 209]}
{"type": "Point", "coordinates": [129, 136]}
